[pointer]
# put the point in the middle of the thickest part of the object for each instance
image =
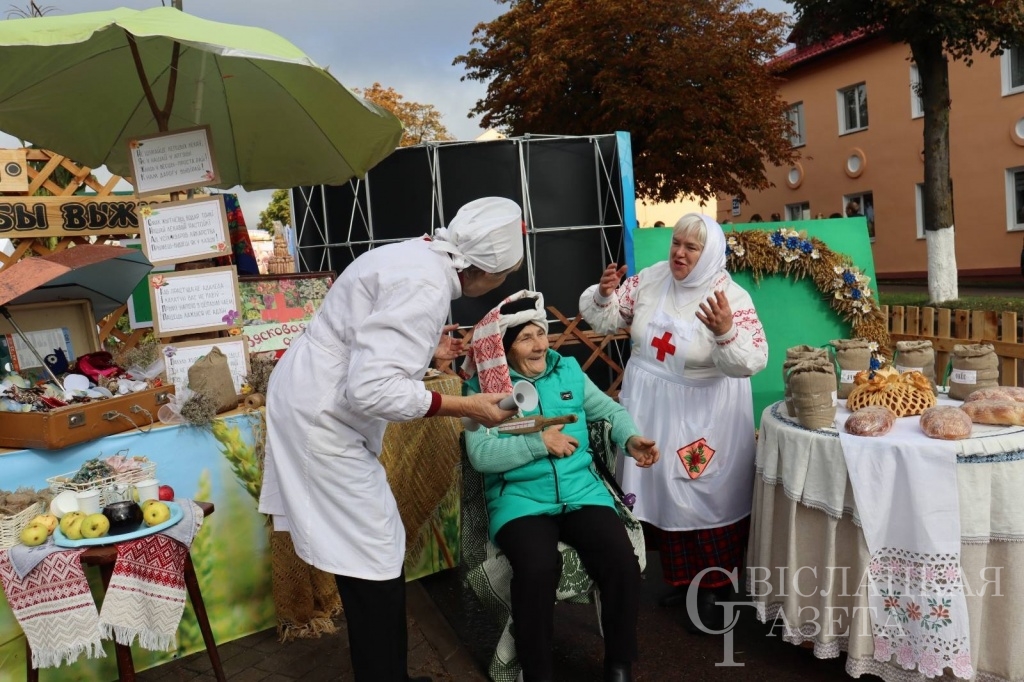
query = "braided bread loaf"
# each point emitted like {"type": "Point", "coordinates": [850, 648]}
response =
{"type": "Point", "coordinates": [1008, 393]}
{"type": "Point", "coordinates": [905, 394]}
{"type": "Point", "coordinates": [1001, 412]}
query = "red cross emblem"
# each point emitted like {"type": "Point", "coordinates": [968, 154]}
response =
{"type": "Point", "coordinates": [664, 346]}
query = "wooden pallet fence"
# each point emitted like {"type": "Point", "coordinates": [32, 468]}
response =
{"type": "Point", "coordinates": [946, 328]}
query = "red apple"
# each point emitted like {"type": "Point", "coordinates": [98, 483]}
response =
{"type": "Point", "coordinates": [166, 493]}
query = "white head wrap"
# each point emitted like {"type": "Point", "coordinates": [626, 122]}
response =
{"type": "Point", "coordinates": [712, 259]}
{"type": "Point", "coordinates": [487, 233]}
{"type": "Point", "coordinates": [537, 314]}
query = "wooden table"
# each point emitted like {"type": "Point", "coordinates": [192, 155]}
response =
{"type": "Point", "coordinates": [104, 558]}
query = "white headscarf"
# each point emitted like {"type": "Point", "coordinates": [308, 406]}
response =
{"type": "Point", "coordinates": [487, 233]}
{"type": "Point", "coordinates": [712, 259]}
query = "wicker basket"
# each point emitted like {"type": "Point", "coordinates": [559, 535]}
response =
{"type": "Point", "coordinates": [11, 526]}
{"type": "Point", "coordinates": [64, 481]}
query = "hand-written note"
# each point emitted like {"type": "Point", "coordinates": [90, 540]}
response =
{"type": "Point", "coordinates": [201, 300]}
{"type": "Point", "coordinates": [177, 160]}
{"type": "Point", "coordinates": [179, 357]}
{"type": "Point", "coordinates": [179, 231]}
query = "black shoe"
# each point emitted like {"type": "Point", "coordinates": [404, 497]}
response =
{"type": "Point", "coordinates": [618, 672]}
{"type": "Point", "coordinates": [708, 613]}
{"type": "Point", "coordinates": [677, 597]}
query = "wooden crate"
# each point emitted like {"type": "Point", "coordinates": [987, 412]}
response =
{"type": "Point", "coordinates": [74, 424]}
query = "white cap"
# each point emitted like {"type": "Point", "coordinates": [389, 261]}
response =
{"type": "Point", "coordinates": [487, 233]}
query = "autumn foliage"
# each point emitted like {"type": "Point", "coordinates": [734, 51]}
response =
{"type": "Point", "coordinates": [686, 78]}
{"type": "Point", "coordinates": [420, 122]}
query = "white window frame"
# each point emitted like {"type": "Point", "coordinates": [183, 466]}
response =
{"type": "Point", "coordinates": [859, 198]}
{"type": "Point", "coordinates": [1006, 63]}
{"type": "Point", "coordinates": [1012, 224]}
{"type": "Point", "coordinates": [919, 208]}
{"type": "Point", "coordinates": [804, 208]}
{"type": "Point", "coordinates": [916, 102]}
{"type": "Point", "coordinates": [841, 106]}
{"type": "Point", "coordinates": [798, 131]}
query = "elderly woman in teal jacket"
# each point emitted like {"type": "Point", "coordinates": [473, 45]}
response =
{"type": "Point", "coordinates": [542, 488]}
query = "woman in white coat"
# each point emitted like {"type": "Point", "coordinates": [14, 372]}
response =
{"type": "Point", "coordinates": [696, 341]}
{"type": "Point", "coordinates": [358, 366]}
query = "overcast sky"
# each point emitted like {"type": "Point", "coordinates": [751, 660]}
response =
{"type": "Point", "coordinates": [405, 44]}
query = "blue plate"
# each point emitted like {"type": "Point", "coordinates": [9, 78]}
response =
{"type": "Point", "coordinates": [62, 540]}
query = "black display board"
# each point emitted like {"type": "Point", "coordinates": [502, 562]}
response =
{"type": "Point", "coordinates": [570, 188]}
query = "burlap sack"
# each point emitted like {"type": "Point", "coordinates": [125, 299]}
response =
{"type": "Point", "coordinates": [852, 356]}
{"type": "Point", "coordinates": [211, 376]}
{"type": "Point", "coordinates": [795, 355]}
{"type": "Point", "coordinates": [975, 366]}
{"type": "Point", "coordinates": [305, 598]}
{"type": "Point", "coordinates": [915, 356]}
{"type": "Point", "coordinates": [813, 385]}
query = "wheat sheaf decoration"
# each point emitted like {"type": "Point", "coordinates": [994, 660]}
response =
{"type": "Point", "coordinates": [793, 254]}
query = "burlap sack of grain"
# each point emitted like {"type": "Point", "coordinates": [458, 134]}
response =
{"type": "Point", "coordinates": [211, 376]}
{"type": "Point", "coordinates": [975, 366]}
{"type": "Point", "coordinates": [915, 356]}
{"type": "Point", "coordinates": [852, 356]}
{"type": "Point", "coordinates": [795, 355]}
{"type": "Point", "coordinates": [813, 387]}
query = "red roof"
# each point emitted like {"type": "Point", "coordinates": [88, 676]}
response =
{"type": "Point", "coordinates": [800, 54]}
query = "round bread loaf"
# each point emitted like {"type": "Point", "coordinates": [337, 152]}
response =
{"type": "Point", "coordinates": [946, 423]}
{"type": "Point", "coordinates": [871, 421]}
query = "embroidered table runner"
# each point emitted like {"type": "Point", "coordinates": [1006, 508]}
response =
{"type": "Point", "coordinates": [905, 488]}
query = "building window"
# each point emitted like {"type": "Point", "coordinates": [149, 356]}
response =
{"type": "Point", "coordinates": [798, 211]}
{"type": "Point", "coordinates": [1015, 199]}
{"type": "Point", "coordinates": [916, 103]}
{"type": "Point", "coordinates": [795, 118]}
{"type": "Point", "coordinates": [853, 108]}
{"type": "Point", "coordinates": [1013, 70]}
{"type": "Point", "coordinates": [919, 208]}
{"type": "Point", "coordinates": [862, 204]}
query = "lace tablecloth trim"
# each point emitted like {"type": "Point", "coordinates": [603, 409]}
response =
{"type": "Point", "coordinates": [923, 614]}
{"type": "Point", "coordinates": [806, 633]}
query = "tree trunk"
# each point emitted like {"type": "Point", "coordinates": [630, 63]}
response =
{"type": "Point", "coordinates": [933, 68]}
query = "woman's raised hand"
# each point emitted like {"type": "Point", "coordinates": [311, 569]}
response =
{"type": "Point", "coordinates": [558, 443]}
{"type": "Point", "coordinates": [643, 450]}
{"type": "Point", "coordinates": [610, 279]}
{"type": "Point", "coordinates": [450, 347]}
{"type": "Point", "coordinates": [716, 314]}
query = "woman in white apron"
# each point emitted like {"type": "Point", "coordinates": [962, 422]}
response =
{"type": "Point", "coordinates": [696, 341]}
{"type": "Point", "coordinates": [358, 366]}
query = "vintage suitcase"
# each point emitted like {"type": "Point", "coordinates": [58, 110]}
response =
{"type": "Point", "coordinates": [66, 426]}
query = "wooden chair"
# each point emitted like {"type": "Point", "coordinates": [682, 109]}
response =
{"type": "Point", "coordinates": [104, 558]}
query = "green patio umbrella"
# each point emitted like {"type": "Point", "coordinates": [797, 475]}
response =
{"type": "Point", "coordinates": [82, 85]}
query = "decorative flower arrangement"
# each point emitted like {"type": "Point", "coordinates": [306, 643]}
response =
{"type": "Point", "coordinates": [787, 252]}
{"type": "Point", "coordinates": [158, 281]}
{"type": "Point", "coordinates": [146, 211]}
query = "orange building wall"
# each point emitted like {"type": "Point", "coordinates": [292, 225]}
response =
{"type": "Point", "coordinates": [981, 149]}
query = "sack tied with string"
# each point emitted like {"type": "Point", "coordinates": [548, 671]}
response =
{"type": "Point", "coordinates": [813, 385]}
{"type": "Point", "coordinates": [852, 356]}
{"type": "Point", "coordinates": [211, 376]}
{"type": "Point", "coordinates": [974, 366]}
{"type": "Point", "coordinates": [794, 356]}
{"type": "Point", "coordinates": [916, 356]}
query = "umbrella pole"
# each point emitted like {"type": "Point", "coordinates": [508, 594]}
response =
{"type": "Point", "coordinates": [53, 377]}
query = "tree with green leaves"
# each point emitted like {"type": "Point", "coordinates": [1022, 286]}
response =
{"type": "Point", "coordinates": [687, 79]}
{"type": "Point", "coordinates": [936, 31]}
{"type": "Point", "coordinates": [279, 209]}
{"type": "Point", "coordinates": [420, 122]}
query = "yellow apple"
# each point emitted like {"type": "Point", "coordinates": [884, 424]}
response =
{"type": "Point", "coordinates": [48, 520]}
{"type": "Point", "coordinates": [95, 526]}
{"type": "Point", "coordinates": [149, 502]}
{"type": "Point", "coordinates": [34, 534]}
{"type": "Point", "coordinates": [156, 513]}
{"type": "Point", "coordinates": [68, 519]}
{"type": "Point", "coordinates": [74, 529]}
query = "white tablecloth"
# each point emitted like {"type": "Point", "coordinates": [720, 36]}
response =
{"type": "Point", "coordinates": [808, 561]}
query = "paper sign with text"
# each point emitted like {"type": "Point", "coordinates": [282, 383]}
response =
{"type": "Point", "coordinates": [195, 301]}
{"type": "Point", "coordinates": [180, 231]}
{"type": "Point", "coordinates": [174, 161]}
{"type": "Point", "coordinates": [178, 357]}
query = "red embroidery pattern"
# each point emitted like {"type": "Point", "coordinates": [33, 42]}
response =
{"type": "Point", "coordinates": [735, 335]}
{"type": "Point", "coordinates": [627, 298]}
{"type": "Point", "coordinates": [746, 319]}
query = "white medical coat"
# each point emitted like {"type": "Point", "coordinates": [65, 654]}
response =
{"type": "Point", "coordinates": [358, 366]}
